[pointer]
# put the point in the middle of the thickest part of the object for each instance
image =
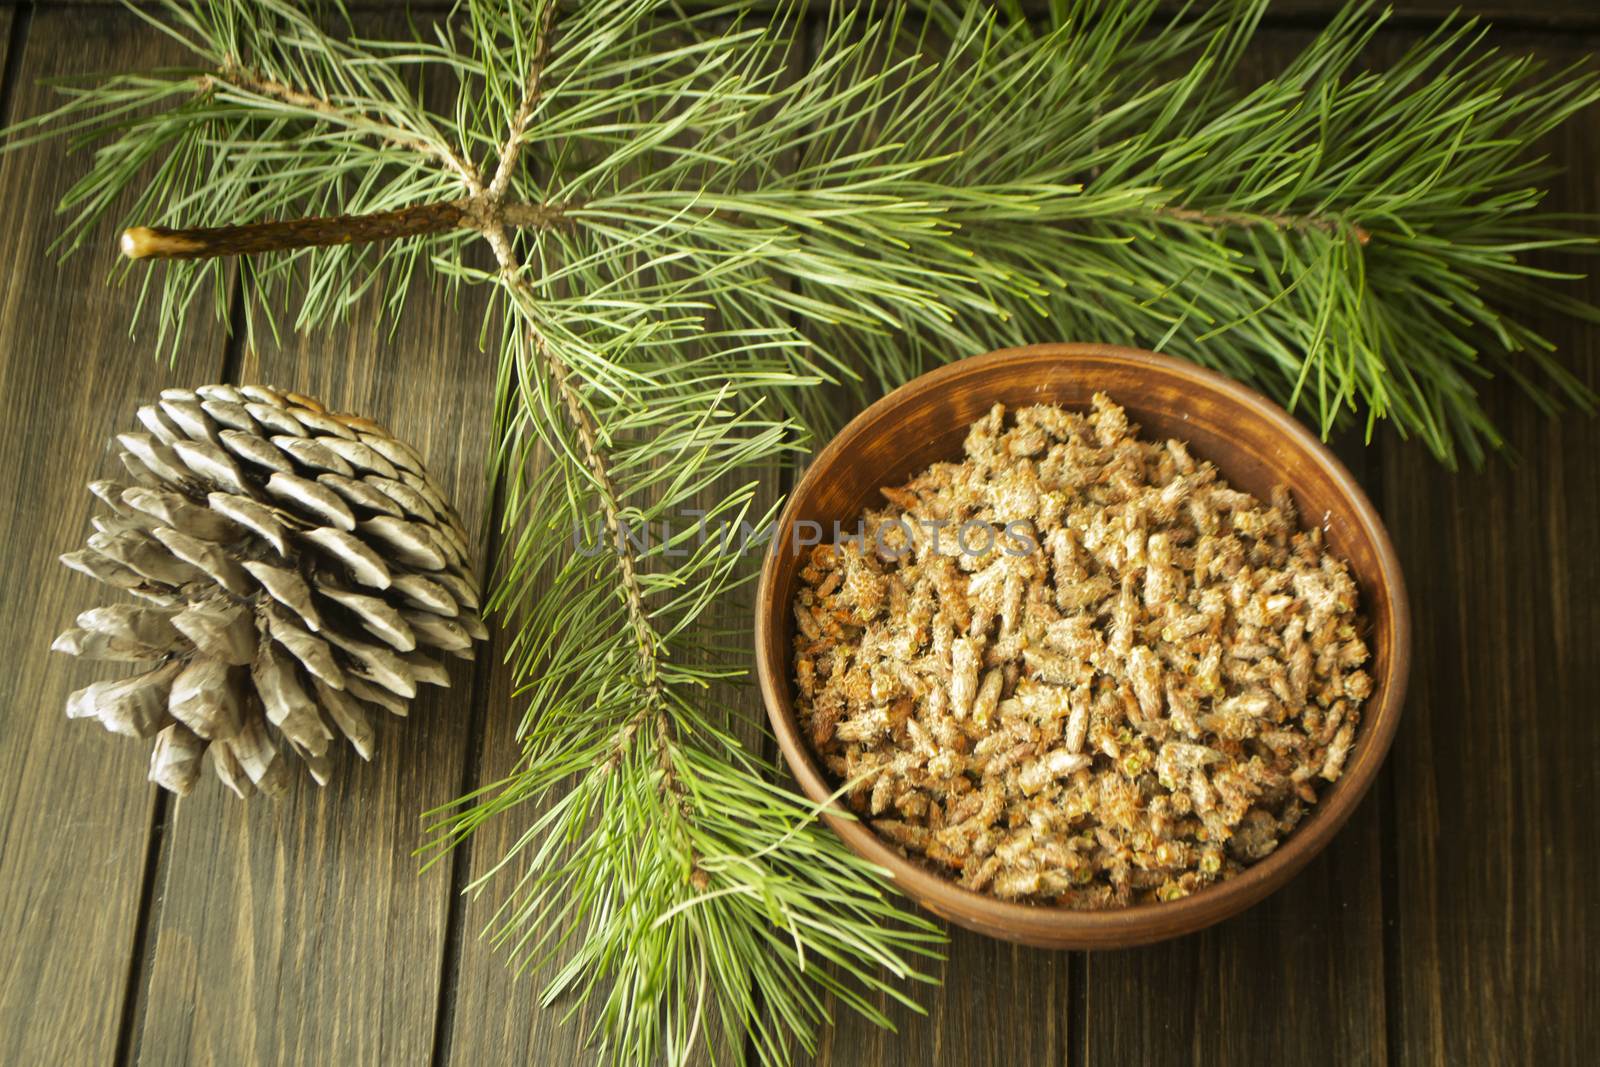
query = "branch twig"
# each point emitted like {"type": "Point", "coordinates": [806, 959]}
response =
{"type": "Point", "coordinates": [531, 92]}
{"type": "Point", "coordinates": [588, 437]}
{"type": "Point", "coordinates": [493, 228]}
{"type": "Point", "coordinates": [1282, 222]}
{"type": "Point", "coordinates": [250, 81]}
{"type": "Point", "coordinates": [471, 213]}
{"type": "Point", "coordinates": [491, 217]}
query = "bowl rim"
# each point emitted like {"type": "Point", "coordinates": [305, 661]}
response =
{"type": "Point", "coordinates": [1043, 925]}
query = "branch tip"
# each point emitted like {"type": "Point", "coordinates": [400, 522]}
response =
{"type": "Point", "coordinates": [144, 242]}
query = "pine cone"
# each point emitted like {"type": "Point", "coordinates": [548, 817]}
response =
{"type": "Point", "coordinates": [295, 563]}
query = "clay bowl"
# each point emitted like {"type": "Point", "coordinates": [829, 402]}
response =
{"type": "Point", "coordinates": [1253, 442]}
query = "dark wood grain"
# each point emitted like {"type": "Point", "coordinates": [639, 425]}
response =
{"type": "Point", "coordinates": [487, 979]}
{"type": "Point", "coordinates": [1300, 977]}
{"type": "Point", "coordinates": [75, 811]}
{"type": "Point", "coordinates": [1495, 786]}
{"type": "Point", "coordinates": [302, 930]}
{"type": "Point", "coordinates": [1296, 979]}
{"type": "Point", "coordinates": [996, 1003]}
{"type": "Point", "coordinates": [991, 1002]}
{"type": "Point", "coordinates": [494, 1014]}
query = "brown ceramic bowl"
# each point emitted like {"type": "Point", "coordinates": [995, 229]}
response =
{"type": "Point", "coordinates": [1253, 442]}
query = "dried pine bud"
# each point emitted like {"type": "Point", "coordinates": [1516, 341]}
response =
{"type": "Point", "coordinates": [1129, 712]}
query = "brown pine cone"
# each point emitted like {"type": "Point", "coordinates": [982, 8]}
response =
{"type": "Point", "coordinates": [297, 567]}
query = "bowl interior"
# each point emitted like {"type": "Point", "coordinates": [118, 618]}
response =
{"type": "Point", "coordinates": [1254, 444]}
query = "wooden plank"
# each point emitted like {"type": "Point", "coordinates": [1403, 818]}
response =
{"type": "Point", "coordinates": [1297, 979]}
{"type": "Point", "coordinates": [1153, 1005]}
{"type": "Point", "coordinates": [300, 931]}
{"type": "Point", "coordinates": [1302, 977]}
{"type": "Point", "coordinates": [485, 979]}
{"type": "Point", "coordinates": [997, 1003]}
{"type": "Point", "coordinates": [477, 1028]}
{"type": "Point", "coordinates": [991, 1002]}
{"type": "Point", "coordinates": [310, 912]}
{"type": "Point", "coordinates": [76, 807]}
{"type": "Point", "coordinates": [1493, 771]}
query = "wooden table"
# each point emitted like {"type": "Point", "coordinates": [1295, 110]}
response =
{"type": "Point", "coordinates": [1456, 920]}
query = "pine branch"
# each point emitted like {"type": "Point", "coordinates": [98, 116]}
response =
{"type": "Point", "coordinates": [483, 212]}
{"type": "Point", "coordinates": [594, 458]}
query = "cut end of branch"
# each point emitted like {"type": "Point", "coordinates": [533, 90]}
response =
{"type": "Point", "coordinates": [142, 242]}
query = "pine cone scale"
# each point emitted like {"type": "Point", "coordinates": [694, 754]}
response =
{"type": "Point", "coordinates": [365, 565]}
{"type": "Point", "coordinates": [175, 760]}
{"type": "Point", "coordinates": [205, 699]}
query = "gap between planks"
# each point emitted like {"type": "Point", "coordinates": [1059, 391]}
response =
{"type": "Point", "coordinates": [483, 678]}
